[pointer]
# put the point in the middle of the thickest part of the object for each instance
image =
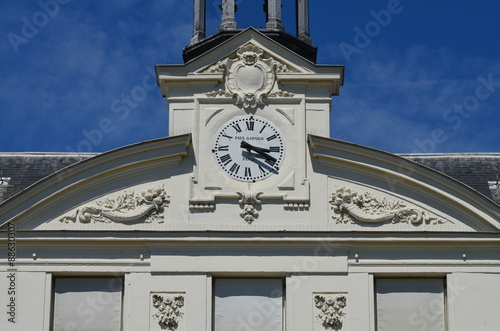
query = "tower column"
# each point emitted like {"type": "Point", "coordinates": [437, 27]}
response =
{"type": "Point", "coordinates": [199, 21]}
{"type": "Point", "coordinates": [274, 15]}
{"type": "Point", "coordinates": [228, 21]}
{"type": "Point", "coordinates": [303, 20]}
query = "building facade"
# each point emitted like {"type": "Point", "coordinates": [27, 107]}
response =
{"type": "Point", "coordinates": [249, 217]}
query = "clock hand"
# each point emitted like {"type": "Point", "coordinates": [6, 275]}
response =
{"type": "Point", "coordinates": [258, 150]}
{"type": "Point", "coordinates": [246, 145]}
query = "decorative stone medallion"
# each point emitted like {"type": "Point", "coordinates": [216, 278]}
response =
{"type": "Point", "coordinates": [249, 77]}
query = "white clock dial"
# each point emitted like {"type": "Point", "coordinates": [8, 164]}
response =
{"type": "Point", "coordinates": [249, 148]}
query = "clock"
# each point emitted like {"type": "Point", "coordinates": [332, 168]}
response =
{"type": "Point", "coordinates": [249, 148]}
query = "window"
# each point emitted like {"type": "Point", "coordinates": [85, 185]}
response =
{"type": "Point", "coordinates": [87, 304]}
{"type": "Point", "coordinates": [248, 304]}
{"type": "Point", "coordinates": [410, 304]}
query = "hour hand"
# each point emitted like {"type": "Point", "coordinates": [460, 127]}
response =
{"type": "Point", "coordinates": [246, 145]}
{"type": "Point", "coordinates": [258, 150]}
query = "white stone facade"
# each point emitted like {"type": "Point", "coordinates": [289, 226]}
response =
{"type": "Point", "coordinates": [163, 219]}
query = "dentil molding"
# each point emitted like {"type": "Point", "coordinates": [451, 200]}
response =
{"type": "Point", "coordinates": [249, 77]}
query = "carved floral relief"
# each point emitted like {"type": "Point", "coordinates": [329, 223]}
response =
{"type": "Point", "coordinates": [331, 310]}
{"type": "Point", "coordinates": [350, 206]}
{"type": "Point", "coordinates": [167, 309]}
{"type": "Point", "coordinates": [249, 77]}
{"type": "Point", "coordinates": [148, 206]}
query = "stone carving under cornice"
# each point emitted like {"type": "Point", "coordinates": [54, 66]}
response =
{"type": "Point", "coordinates": [331, 308]}
{"type": "Point", "coordinates": [168, 308]}
{"type": "Point", "coordinates": [296, 205]}
{"type": "Point", "coordinates": [248, 201]}
{"type": "Point", "coordinates": [249, 76]}
{"type": "Point", "coordinates": [201, 205]}
{"type": "Point", "coordinates": [350, 206]}
{"type": "Point", "coordinates": [128, 207]}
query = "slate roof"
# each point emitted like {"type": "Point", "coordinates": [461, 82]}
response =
{"type": "Point", "coordinates": [479, 171]}
{"type": "Point", "coordinates": [18, 171]}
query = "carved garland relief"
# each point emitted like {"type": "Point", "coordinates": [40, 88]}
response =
{"type": "Point", "coordinates": [349, 206]}
{"type": "Point", "coordinates": [167, 309]}
{"type": "Point", "coordinates": [331, 310]}
{"type": "Point", "coordinates": [249, 77]}
{"type": "Point", "coordinates": [148, 206]}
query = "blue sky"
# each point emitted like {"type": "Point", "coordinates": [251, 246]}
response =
{"type": "Point", "coordinates": [421, 75]}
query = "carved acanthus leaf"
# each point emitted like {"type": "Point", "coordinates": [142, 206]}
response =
{"type": "Point", "coordinates": [331, 308]}
{"type": "Point", "coordinates": [219, 93]}
{"type": "Point", "coordinates": [350, 206]}
{"type": "Point", "coordinates": [168, 309]}
{"type": "Point", "coordinates": [128, 207]}
{"type": "Point", "coordinates": [280, 93]}
{"type": "Point", "coordinates": [218, 67]}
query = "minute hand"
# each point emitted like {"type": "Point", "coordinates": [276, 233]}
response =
{"type": "Point", "coordinates": [258, 150]}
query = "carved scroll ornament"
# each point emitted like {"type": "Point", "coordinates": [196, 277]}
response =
{"type": "Point", "coordinates": [168, 310]}
{"type": "Point", "coordinates": [349, 206]}
{"type": "Point", "coordinates": [128, 207]}
{"type": "Point", "coordinates": [331, 308]}
{"type": "Point", "coordinates": [248, 202]}
{"type": "Point", "coordinates": [249, 77]}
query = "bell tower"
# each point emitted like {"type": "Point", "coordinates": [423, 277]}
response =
{"type": "Point", "coordinates": [284, 21]}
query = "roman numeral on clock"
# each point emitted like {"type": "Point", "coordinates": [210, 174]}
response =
{"type": "Point", "coordinates": [248, 172]}
{"type": "Point", "coordinates": [237, 127]}
{"type": "Point", "coordinates": [250, 125]}
{"type": "Point", "coordinates": [271, 162]}
{"type": "Point", "coordinates": [223, 148]}
{"type": "Point", "coordinates": [271, 137]}
{"type": "Point", "coordinates": [235, 168]}
{"type": "Point", "coordinates": [226, 159]}
{"type": "Point", "coordinates": [274, 149]}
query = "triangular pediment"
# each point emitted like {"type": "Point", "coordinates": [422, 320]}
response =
{"type": "Point", "coordinates": [212, 66]}
{"type": "Point", "coordinates": [269, 47]}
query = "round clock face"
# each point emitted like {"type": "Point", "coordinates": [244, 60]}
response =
{"type": "Point", "coordinates": [249, 148]}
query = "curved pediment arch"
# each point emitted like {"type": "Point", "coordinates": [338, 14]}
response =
{"type": "Point", "coordinates": [144, 166]}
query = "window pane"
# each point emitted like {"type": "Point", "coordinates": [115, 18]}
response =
{"type": "Point", "coordinates": [410, 304]}
{"type": "Point", "coordinates": [87, 304]}
{"type": "Point", "coordinates": [248, 304]}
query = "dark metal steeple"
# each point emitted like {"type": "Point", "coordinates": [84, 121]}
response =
{"type": "Point", "coordinates": [285, 21]}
